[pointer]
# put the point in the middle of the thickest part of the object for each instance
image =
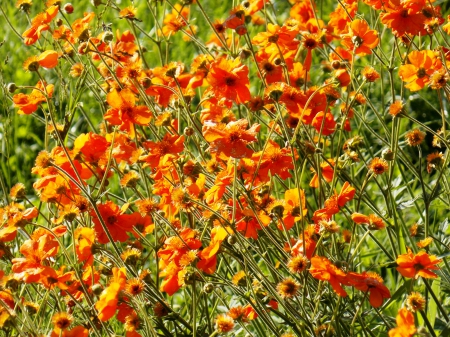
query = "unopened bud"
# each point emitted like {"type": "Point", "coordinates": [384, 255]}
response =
{"type": "Point", "coordinates": [231, 240]}
{"type": "Point", "coordinates": [336, 64]}
{"type": "Point", "coordinates": [107, 37]}
{"type": "Point", "coordinates": [387, 155]}
{"type": "Point", "coordinates": [97, 289]}
{"type": "Point", "coordinates": [11, 87]}
{"type": "Point", "coordinates": [96, 3]}
{"type": "Point", "coordinates": [68, 8]}
{"type": "Point", "coordinates": [146, 82]}
{"type": "Point", "coordinates": [208, 288]}
{"type": "Point", "coordinates": [188, 131]}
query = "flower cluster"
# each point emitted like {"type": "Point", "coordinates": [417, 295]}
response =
{"type": "Point", "coordinates": [233, 189]}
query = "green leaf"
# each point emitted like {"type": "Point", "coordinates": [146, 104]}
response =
{"type": "Point", "coordinates": [432, 307]}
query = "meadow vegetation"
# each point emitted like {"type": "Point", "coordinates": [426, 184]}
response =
{"type": "Point", "coordinates": [203, 168]}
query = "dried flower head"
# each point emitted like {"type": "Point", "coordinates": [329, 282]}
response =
{"type": "Point", "coordinates": [129, 179]}
{"type": "Point", "coordinates": [425, 242]}
{"type": "Point", "coordinates": [132, 322]}
{"type": "Point", "coordinates": [43, 160]}
{"type": "Point", "coordinates": [322, 330]}
{"type": "Point", "coordinates": [134, 286]}
{"type": "Point", "coordinates": [328, 226]}
{"type": "Point", "coordinates": [347, 235]}
{"type": "Point", "coordinates": [370, 74]}
{"type": "Point", "coordinates": [438, 79]}
{"type": "Point", "coordinates": [238, 314]}
{"type": "Point", "coordinates": [17, 191]}
{"type": "Point", "coordinates": [224, 323]}
{"type": "Point", "coordinates": [76, 70]}
{"type": "Point", "coordinates": [239, 279]}
{"type": "Point", "coordinates": [24, 5]}
{"type": "Point", "coordinates": [437, 141]}
{"type": "Point", "coordinates": [288, 287]}
{"type": "Point", "coordinates": [396, 108]}
{"type": "Point", "coordinates": [378, 166]}
{"type": "Point", "coordinates": [415, 302]}
{"type": "Point", "coordinates": [416, 230]}
{"type": "Point", "coordinates": [434, 160]}
{"type": "Point", "coordinates": [160, 309]}
{"type": "Point", "coordinates": [298, 263]}
{"type": "Point", "coordinates": [131, 256]}
{"type": "Point", "coordinates": [61, 321]}
{"type": "Point", "coordinates": [415, 137]}
{"type": "Point", "coordinates": [147, 206]}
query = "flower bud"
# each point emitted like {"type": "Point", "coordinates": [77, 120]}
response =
{"type": "Point", "coordinates": [208, 288]}
{"type": "Point", "coordinates": [146, 82]}
{"type": "Point", "coordinates": [68, 8]}
{"type": "Point", "coordinates": [97, 289]}
{"type": "Point", "coordinates": [387, 155]}
{"type": "Point", "coordinates": [231, 240]}
{"type": "Point", "coordinates": [11, 87]}
{"type": "Point", "coordinates": [188, 131]}
{"type": "Point", "coordinates": [336, 64]}
{"type": "Point", "coordinates": [107, 37]}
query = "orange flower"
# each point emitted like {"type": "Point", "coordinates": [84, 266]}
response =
{"type": "Point", "coordinates": [405, 324]}
{"type": "Point", "coordinates": [107, 303]}
{"type": "Point", "coordinates": [78, 331]}
{"type": "Point", "coordinates": [128, 12]}
{"type": "Point", "coordinates": [230, 140]}
{"type": "Point", "coordinates": [36, 250]}
{"type": "Point", "coordinates": [421, 264]}
{"type": "Point", "coordinates": [360, 38]}
{"type": "Point", "coordinates": [124, 112]}
{"type": "Point", "coordinates": [274, 159]}
{"type": "Point", "coordinates": [236, 20]}
{"type": "Point", "coordinates": [374, 222]}
{"type": "Point", "coordinates": [48, 59]}
{"type": "Point", "coordinates": [229, 81]}
{"type": "Point", "coordinates": [326, 172]}
{"type": "Point", "coordinates": [175, 20]}
{"type": "Point", "coordinates": [250, 223]}
{"type": "Point", "coordinates": [84, 239]}
{"type": "Point", "coordinates": [372, 283]}
{"type": "Point", "coordinates": [39, 24]}
{"type": "Point", "coordinates": [404, 21]}
{"type": "Point", "coordinates": [370, 74]}
{"type": "Point", "coordinates": [324, 123]}
{"type": "Point", "coordinates": [335, 202]}
{"type": "Point", "coordinates": [421, 65]}
{"type": "Point", "coordinates": [310, 42]}
{"type": "Point", "coordinates": [284, 37]}
{"type": "Point", "coordinates": [170, 144]}
{"type": "Point", "coordinates": [323, 269]}
{"type": "Point", "coordinates": [294, 208]}
{"type": "Point", "coordinates": [177, 252]}
{"type": "Point", "coordinates": [28, 104]}
{"type": "Point", "coordinates": [208, 255]}
{"type": "Point", "coordinates": [118, 224]}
